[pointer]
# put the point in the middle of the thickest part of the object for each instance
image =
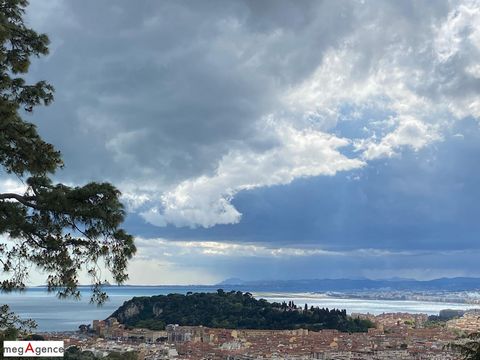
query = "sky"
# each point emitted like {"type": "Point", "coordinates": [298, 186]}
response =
{"type": "Point", "coordinates": [273, 139]}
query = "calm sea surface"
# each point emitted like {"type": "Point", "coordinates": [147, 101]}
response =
{"type": "Point", "coordinates": [53, 314]}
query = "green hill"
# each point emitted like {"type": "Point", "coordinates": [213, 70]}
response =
{"type": "Point", "coordinates": [235, 310]}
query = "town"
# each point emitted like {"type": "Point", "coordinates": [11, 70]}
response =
{"type": "Point", "coordinates": [395, 336]}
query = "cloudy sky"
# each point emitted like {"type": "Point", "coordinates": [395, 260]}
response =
{"type": "Point", "coordinates": [274, 139]}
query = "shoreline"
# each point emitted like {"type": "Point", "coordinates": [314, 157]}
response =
{"type": "Point", "coordinates": [67, 315]}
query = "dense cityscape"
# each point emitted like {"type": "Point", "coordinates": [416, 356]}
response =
{"type": "Point", "coordinates": [395, 336]}
{"type": "Point", "coordinates": [461, 297]}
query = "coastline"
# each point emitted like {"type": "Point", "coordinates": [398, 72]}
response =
{"type": "Point", "coordinates": [53, 314]}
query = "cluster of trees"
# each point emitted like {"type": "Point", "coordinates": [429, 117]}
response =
{"type": "Point", "coordinates": [231, 310]}
{"type": "Point", "coordinates": [469, 349]}
{"type": "Point", "coordinates": [74, 353]}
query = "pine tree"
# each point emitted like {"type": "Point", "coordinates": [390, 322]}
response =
{"type": "Point", "coordinates": [61, 230]}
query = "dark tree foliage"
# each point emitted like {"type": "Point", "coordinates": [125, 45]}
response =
{"type": "Point", "coordinates": [11, 326]}
{"type": "Point", "coordinates": [235, 310]}
{"type": "Point", "coordinates": [470, 349]}
{"type": "Point", "coordinates": [61, 230]}
{"type": "Point", "coordinates": [75, 353]}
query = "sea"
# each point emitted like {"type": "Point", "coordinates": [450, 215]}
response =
{"type": "Point", "coordinates": [53, 314]}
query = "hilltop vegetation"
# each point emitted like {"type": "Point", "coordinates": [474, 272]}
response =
{"type": "Point", "coordinates": [232, 309]}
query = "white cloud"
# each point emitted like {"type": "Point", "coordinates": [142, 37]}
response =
{"type": "Point", "coordinates": [459, 31]}
{"type": "Point", "coordinates": [410, 133]}
{"type": "Point", "coordinates": [206, 200]}
{"type": "Point", "coordinates": [164, 249]}
{"type": "Point", "coordinates": [154, 248]}
{"type": "Point", "coordinates": [12, 186]}
{"type": "Point", "coordinates": [389, 87]}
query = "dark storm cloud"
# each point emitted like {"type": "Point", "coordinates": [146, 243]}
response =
{"type": "Point", "coordinates": [165, 89]}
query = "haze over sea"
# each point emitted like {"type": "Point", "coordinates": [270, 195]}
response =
{"type": "Point", "coordinates": [53, 314]}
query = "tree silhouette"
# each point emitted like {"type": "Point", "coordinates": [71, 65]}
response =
{"type": "Point", "coordinates": [61, 230]}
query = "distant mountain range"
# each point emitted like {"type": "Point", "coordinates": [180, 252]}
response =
{"type": "Point", "coordinates": [342, 285]}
